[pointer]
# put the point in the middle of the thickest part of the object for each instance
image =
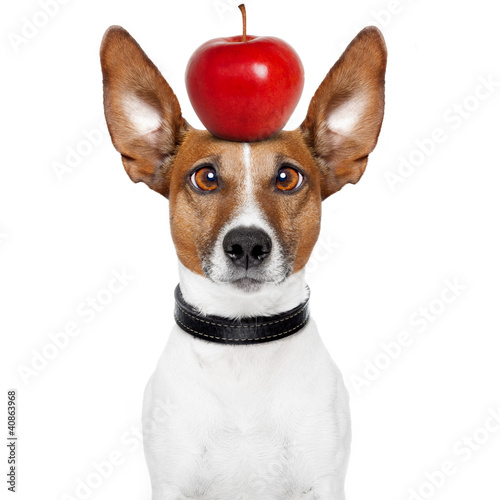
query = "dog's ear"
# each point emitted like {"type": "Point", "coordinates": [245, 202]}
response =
{"type": "Point", "coordinates": [143, 115]}
{"type": "Point", "coordinates": [345, 115]}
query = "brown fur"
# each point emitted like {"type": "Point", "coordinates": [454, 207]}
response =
{"type": "Point", "coordinates": [361, 68]}
{"type": "Point", "coordinates": [164, 159]}
{"type": "Point", "coordinates": [127, 69]}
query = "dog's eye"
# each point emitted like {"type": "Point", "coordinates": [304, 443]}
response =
{"type": "Point", "coordinates": [288, 179]}
{"type": "Point", "coordinates": [205, 179]}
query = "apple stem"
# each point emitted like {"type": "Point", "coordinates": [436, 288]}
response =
{"type": "Point", "coordinates": [244, 14]}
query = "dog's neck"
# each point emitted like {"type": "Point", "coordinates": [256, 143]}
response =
{"type": "Point", "coordinates": [224, 300]}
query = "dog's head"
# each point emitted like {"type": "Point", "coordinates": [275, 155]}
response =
{"type": "Point", "coordinates": [244, 213]}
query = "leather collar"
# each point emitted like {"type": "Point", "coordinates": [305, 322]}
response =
{"type": "Point", "coordinates": [239, 331]}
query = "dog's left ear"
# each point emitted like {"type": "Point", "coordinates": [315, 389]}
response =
{"type": "Point", "coordinates": [345, 115]}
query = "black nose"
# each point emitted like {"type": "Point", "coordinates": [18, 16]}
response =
{"type": "Point", "coordinates": [247, 246]}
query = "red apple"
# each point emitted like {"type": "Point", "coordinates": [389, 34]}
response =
{"type": "Point", "coordinates": [244, 88]}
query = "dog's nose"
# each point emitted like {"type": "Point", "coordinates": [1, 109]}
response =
{"type": "Point", "coordinates": [247, 246]}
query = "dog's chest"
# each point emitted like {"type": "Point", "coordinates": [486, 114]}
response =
{"type": "Point", "coordinates": [245, 422]}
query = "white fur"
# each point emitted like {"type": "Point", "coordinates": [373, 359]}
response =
{"type": "Point", "coordinates": [253, 422]}
{"type": "Point", "coordinates": [246, 161]}
{"type": "Point", "coordinates": [249, 199]}
{"type": "Point", "coordinates": [246, 422]}
{"type": "Point", "coordinates": [144, 118]}
{"type": "Point", "coordinates": [223, 299]}
{"type": "Point", "coordinates": [345, 118]}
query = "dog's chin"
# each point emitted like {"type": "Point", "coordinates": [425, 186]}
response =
{"type": "Point", "coordinates": [247, 284]}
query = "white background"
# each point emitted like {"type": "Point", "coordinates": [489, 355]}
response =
{"type": "Point", "coordinates": [384, 253]}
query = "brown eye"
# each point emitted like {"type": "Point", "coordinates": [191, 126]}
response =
{"type": "Point", "coordinates": [205, 179]}
{"type": "Point", "coordinates": [288, 179]}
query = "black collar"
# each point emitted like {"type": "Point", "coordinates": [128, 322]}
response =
{"type": "Point", "coordinates": [241, 331]}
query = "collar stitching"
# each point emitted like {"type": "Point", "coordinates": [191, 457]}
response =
{"type": "Point", "coordinates": [296, 327]}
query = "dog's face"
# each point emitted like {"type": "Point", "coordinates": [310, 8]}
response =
{"type": "Point", "coordinates": [244, 213]}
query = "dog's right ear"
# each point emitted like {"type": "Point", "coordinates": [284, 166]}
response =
{"type": "Point", "coordinates": [143, 115]}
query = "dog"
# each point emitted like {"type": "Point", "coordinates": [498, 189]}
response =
{"type": "Point", "coordinates": [256, 407]}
